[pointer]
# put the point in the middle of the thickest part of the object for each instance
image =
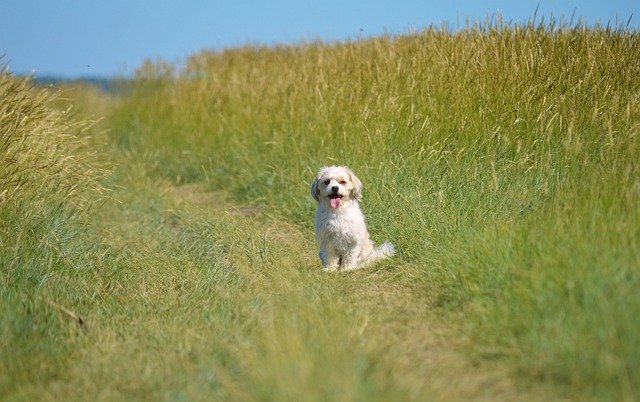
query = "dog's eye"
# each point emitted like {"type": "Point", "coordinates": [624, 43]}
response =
{"type": "Point", "coordinates": [326, 182]}
{"type": "Point", "coordinates": [343, 182]}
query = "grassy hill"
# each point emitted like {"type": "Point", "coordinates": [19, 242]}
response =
{"type": "Point", "coordinates": [166, 250]}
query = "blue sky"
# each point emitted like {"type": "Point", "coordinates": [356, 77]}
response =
{"type": "Point", "coordinates": [111, 37]}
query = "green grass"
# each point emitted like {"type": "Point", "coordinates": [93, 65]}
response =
{"type": "Point", "coordinates": [502, 161]}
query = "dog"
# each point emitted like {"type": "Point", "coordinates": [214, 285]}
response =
{"type": "Point", "coordinates": [341, 233]}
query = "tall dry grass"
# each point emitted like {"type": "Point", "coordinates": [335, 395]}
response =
{"type": "Point", "coordinates": [503, 161]}
{"type": "Point", "coordinates": [48, 182]}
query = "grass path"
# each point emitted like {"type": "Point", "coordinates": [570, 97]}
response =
{"type": "Point", "coordinates": [186, 296]}
{"type": "Point", "coordinates": [415, 351]}
{"type": "Point", "coordinates": [230, 303]}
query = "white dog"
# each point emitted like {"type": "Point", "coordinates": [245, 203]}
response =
{"type": "Point", "coordinates": [340, 229]}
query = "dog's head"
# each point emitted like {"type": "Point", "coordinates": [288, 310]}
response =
{"type": "Point", "coordinates": [335, 185]}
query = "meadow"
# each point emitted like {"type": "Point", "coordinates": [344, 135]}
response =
{"type": "Point", "coordinates": [157, 241]}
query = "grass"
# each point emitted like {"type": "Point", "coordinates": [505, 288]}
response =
{"type": "Point", "coordinates": [501, 160]}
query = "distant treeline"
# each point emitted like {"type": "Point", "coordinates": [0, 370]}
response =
{"type": "Point", "coordinates": [106, 84]}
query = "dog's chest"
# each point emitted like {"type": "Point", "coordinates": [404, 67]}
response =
{"type": "Point", "coordinates": [339, 225]}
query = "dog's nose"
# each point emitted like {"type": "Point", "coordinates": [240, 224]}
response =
{"type": "Point", "coordinates": [335, 189]}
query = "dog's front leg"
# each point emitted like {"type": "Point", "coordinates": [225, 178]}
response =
{"type": "Point", "coordinates": [330, 261]}
{"type": "Point", "coordinates": [350, 261]}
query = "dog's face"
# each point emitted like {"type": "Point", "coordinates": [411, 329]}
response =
{"type": "Point", "coordinates": [335, 185]}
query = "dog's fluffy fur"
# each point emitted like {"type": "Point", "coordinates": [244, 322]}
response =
{"type": "Point", "coordinates": [340, 229]}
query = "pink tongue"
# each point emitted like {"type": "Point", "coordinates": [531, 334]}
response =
{"type": "Point", "coordinates": [335, 202]}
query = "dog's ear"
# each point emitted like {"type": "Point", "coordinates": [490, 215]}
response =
{"type": "Point", "coordinates": [356, 193]}
{"type": "Point", "coordinates": [315, 191]}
